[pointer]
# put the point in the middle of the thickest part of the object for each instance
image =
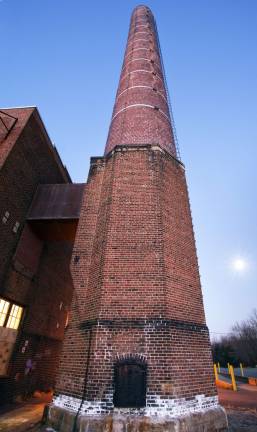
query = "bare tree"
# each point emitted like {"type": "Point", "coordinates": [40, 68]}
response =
{"type": "Point", "coordinates": [240, 345]}
{"type": "Point", "coordinates": [244, 339]}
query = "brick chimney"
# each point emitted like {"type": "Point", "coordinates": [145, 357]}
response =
{"type": "Point", "coordinates": [141, 110]}
{"type": "Point", "coordinates": [137, 349]}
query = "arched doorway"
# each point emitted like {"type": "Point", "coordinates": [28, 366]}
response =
{"type": "Point", "coordinates": [129, 383]}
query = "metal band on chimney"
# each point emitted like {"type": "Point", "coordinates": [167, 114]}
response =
{"type": "Point", "coordinates": [141, 105]}
{"type": "Point", "coordinates": [140, 70]}
{"type": "Point", "coordinates": [142, 86]}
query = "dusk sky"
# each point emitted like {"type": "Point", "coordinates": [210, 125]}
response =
{"type": "Point", "coordinates": [65, 57]}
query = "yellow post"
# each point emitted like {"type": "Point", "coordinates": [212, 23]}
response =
{"type": "Point", "coordinates": [242, 370]}
{"type": "Point", "coordinates": [215, 372]}
{"type": "Point", "coordinates": [218, 367]}
{"type": "Point", "coordinates": [233, 378]}
{"type": "Point", "coordinates": [228, 367]}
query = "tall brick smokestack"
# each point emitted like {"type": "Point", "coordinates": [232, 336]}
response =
{"type": "Point", "coordinates": [141, 110]}
{"type": "Point", "coordinates": [137, 349]}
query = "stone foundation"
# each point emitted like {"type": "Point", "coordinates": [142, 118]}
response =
{"type": "Point", "coordinates": [212, 419]}
{"type": "Point", "coordinates": [156, 405]}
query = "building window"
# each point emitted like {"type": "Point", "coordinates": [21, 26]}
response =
{"type": "Point", "coordinates": [10, 314]}
{"type": "Point", "coordinates": [5, 217]}
{"type": "Point", "coordinates": [4, 306]}
{"type": "Point", "coordinates": [16, 227]}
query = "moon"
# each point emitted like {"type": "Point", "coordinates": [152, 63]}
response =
{"type": "Point", "coordinates": [239, 264]}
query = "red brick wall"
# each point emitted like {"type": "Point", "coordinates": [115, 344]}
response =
{"type": "Point", "coordinates": [28, 161]}
{"type": "Point", "coordinates": [50, 295]}
{"type": "Point", "coordinates": [134, 264]}
{"type": "Point", "coordinates": [73, 361]}
{"type": "Point", "coordinates": [141, 112]}
{"type": "Point", "coordinates": [43, 353]}
{"type": "Point", "coordinates": [40, 285]}
{"type": "Point", "coordinates": [182, 283]}
{"type": "Point", "coordinates": [136, 281]}
{"type": "Point", "coordinates": [46, 298]}
{"type": "Point", "coordinates": [29, 250]}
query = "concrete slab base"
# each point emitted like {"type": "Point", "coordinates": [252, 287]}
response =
{"type": "Point", "coordinates": [209, 420]}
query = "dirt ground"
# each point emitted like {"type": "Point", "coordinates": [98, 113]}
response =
{"type": "Point", "coordinates": [241, 407]}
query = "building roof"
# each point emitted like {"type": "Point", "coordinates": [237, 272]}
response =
{"type": "Point", "coordinates": [12, 123]}
{"type": "Point", "coordinates": [56, 201]}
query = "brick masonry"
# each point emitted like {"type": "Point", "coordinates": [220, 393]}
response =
{"type": "Point", "coordinates": [26, 159]}
{"type": "Point", "coordinates": [134, 265]}
{"type": "Point", "coordinates": [137, 287]}
{"type": "Point", "coordinates": [141, 112]}
{"type": "Point", "coordinates": [34, 273]}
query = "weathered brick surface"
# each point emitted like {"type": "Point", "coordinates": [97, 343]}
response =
{"type": "Point", "coordinates": [43, 352]}
{"type": "Point", "coordinates": [28, 159]}
{"type": "Point", "coordinates": [136, 281]}
{"type": "Point", "coordinates": [134, 264]}
{"type": "Point", "coordinates": [74, 357]}
{"type": "Point", "coordinates": [141, 113]}
{"type": "Point", "coordinates": [51, 292]}
{"type": "Point", "coordinates": [35, 274]}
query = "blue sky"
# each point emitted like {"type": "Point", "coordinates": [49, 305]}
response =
{"type": "Point", "coordinates": [65, 57]}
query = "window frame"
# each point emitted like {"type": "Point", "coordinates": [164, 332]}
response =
{"type": "Point", "coordinates": [10, 317]}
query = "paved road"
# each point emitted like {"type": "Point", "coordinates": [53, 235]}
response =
{"type": "Point", "coordinates": [242, 420]}
{"type": "Point", "coordinates": [245, 397]}
{"type": "Point", "coordinates": [248, 372]}
{"type": "Point", "coordinates": [22, 418]}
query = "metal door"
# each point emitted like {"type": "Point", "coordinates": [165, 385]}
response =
{"type": "Point", "coordinates": [129, 385]}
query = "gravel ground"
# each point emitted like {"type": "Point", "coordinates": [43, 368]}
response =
{"type": "Point", "coordinates": [242, 420]}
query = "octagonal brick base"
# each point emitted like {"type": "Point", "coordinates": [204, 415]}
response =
{"type": "Point", "coordinates": [210, 420]}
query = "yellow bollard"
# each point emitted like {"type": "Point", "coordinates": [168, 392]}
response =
{"type": "Point", "coordinates": [228, 367]}
{"type": "Point", "coordinates": [242, 370]}
{"type": "Point", "coordinates": [215, 372]}
{"type": "Point", "coordinates": [231, 370]}
{"type": "Point", "coordinates": [218, 367]}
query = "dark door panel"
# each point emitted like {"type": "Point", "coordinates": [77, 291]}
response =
{"type": "Point", "coordinates": [130, 385]}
